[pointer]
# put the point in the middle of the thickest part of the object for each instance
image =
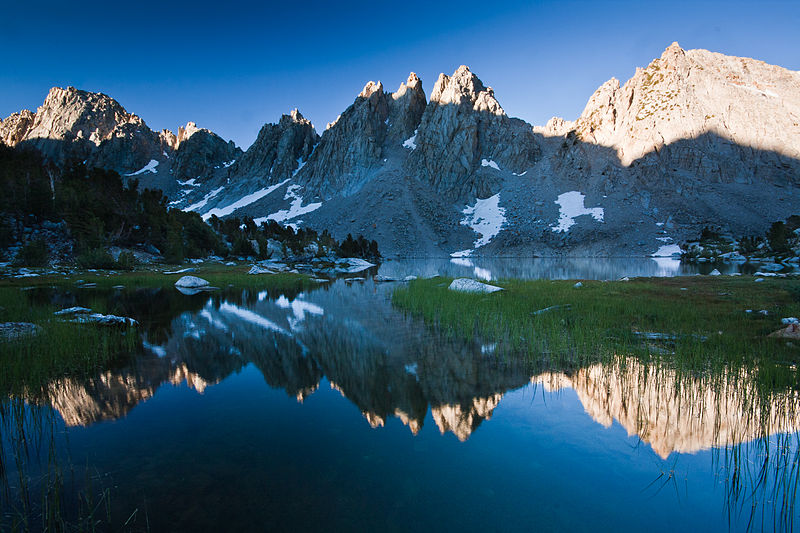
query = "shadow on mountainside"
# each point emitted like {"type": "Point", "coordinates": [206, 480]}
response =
{"type": "Point", "coordinates": [398, 195]}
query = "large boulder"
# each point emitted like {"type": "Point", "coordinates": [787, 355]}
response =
{"type": "Point", "coordinates": [471, 285]}
{"type": "Point", "coordinates": [191, 282]}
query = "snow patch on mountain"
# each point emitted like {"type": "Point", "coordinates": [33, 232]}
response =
{"type": "Point", "coordinates": [202, 203]}
{"type": "Point", "coordinates": [411, 142]}
{"type": "Point", "coordinates": [243, 201]}
{"type": "Point", "coordinates": [489, 163]}
{"type": "Point", "coordinates": [296, 207]}
{"type": "Point", "coordinates": [486, 218]}
{"type": "Point", "coordinates": [149, 167]}
{"type": "Point", "coordinates": [668, 250]}
{"type": "Point", "coordinates": [570, 206]}
{"type": "Point", "coordinates": [300, 165]}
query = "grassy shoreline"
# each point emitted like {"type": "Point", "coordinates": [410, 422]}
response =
{"type": "Point", "coordinates": [696, 323]}
{"type": "Point", "coordinates": [61, 348]}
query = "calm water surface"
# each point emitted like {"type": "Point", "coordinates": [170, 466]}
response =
{"type": "Point", "coordinates": [331, 410]}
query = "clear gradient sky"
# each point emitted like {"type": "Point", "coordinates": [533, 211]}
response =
{"type": "Point", "coordinates": [231, 67]}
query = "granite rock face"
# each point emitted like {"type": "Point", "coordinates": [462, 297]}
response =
{"type": "Point", "coordinates": [280, 149]}
{"type": "Point", "coordinates": [76, 125]}
{"type": "Point", "coordinates": [351, 146]}
{"type": "Point", "coordinates": [357, 144]}
{"type": "Point", "coordinates": [406, 107]}
{"type": "Point", "coordinates": [14, 129]}
{"type": "Point", "coordinates": [729, 106]}
{"type": "Point", "coordinates": [199, 152]}
{"type": "Point", "coordinates": [465, 136]}
{"type": "Point", "coordinates": [694, 139]}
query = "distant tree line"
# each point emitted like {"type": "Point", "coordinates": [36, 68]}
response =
{"type": "Point", "coordinates": [781, 240]}
{"type": "Point", "coordinates": [249, 239]}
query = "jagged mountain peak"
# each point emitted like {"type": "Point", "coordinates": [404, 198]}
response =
{"type": "Point", "coordinates": [295, 116]}
{"type": "Point", "coordinates": [465, 88]}
{"type": "Point", "coordinates": [462, 133]}
{"type": "Point", "coordinates": [355, 146]}
{"type": "Point", "coordinates": [673, 50]}
{"type": "Point", "coordinates": [72, 113]}
{"type": "Point", "coordinates": [279, 149]}
{"type": "Point", "coordinates": [413, 83]}
{"type": "Point", "coordinates": [184, 132]}
{"type": "Point", "coordinates": [60, 96]}
{"type": "Point", "coordinates": [371, 88]}
{"type": "Point", "coordinates": [412, 86]}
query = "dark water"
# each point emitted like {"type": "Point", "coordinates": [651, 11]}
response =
{"type": "Point", "coordinates": [331, 410]}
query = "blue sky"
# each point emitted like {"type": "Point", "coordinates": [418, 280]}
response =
{"type": "Point", "coordinates": [232, 66]}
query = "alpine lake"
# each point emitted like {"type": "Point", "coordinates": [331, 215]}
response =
{"type": "Point", "coordinates": [645, 398]}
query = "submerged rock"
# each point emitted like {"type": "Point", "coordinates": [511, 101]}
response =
{"type": "Point", "coordinates": [82, 315]}
{"type": "Point", "coordinates": [72, 311]}
{"type": "Point", "coordinates": [351, 265]}
{"type": "Point", "coordinates": [104, 320]}
{"type": "Point", "coordinates": [471, 285]}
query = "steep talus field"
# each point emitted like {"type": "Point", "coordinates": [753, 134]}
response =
{"type": "Point", "coordinates": [694, 139]}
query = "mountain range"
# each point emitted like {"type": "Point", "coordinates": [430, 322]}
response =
{"type": "Point", "coordinates": [694, 139]}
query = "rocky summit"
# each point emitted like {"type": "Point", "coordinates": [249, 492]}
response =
{"type": "Point", "coordinates": [694, 139]}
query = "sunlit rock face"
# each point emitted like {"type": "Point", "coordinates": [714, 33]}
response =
{"type": "Point", "coordinates": [687, 94]}
{"type": "Point", "coordinates": [75, 125]}
{"type": "Point", "coordinates": [677, 414]}
{"type": "Point", "coordinates": [14, 128]}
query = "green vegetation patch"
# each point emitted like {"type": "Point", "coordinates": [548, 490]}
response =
{"type": "Point", "coordinates": [57, 349]}
{"type": "Point", "coordinates": [695, 323]}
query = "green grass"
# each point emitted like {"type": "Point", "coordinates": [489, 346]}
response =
{"type": "Point", "coordinates": [605, 319]}
{"type": "Point", "coordinates": [61, 349]}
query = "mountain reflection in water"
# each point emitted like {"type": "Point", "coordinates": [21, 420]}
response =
{"type": "Point", "coordinates": [388, 365]}
{"type": "Point", "coordinates": [226, 452]}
